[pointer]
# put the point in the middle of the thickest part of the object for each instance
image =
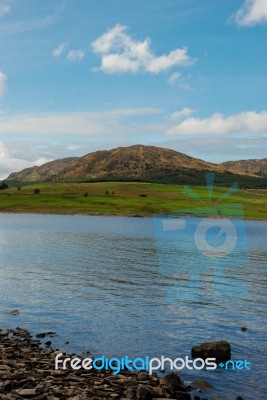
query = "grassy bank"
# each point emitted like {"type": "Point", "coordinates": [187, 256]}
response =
{"type": "Point", "coordinates": [123, 198]}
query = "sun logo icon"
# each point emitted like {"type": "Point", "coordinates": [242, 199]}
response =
{"type": "Point", "coordinates": [196, 246]}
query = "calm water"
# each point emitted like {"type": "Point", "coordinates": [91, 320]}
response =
{"type": "Point", "coordinates": [100, 283]}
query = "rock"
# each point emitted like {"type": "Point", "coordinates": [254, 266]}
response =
{"type": "Point", "coordinates": [183, 396]}
{"type": "Point", "coordinates": [14, 313]}
{"type": "Point", "coordinates": [4, 367]}
{"type": "Point", "coordinates": [70, 392]}
{"type": "Point", "coordinates": [143, 376]}
{"type": "Point", "coordinates": [220, 350]}
{"type": "Point", "coordinates": [27, 371]}
{"type": "Point", "coordinates": [173, 383]}
{"type": "Point", "coordinates": [244, 328]}
{"type": "Point", "coordinates": [42, 335]}
{"type": "Point", "coordinates": [240, 398]}
{"type": "Point", "coordinates": [4, 332]}
{"type": "Point", "coordinates": [145, 392]}
{"type": "Point", "coordinates": [201, 385]}
{"type": "Point", "coordinates": [160, 391]}
{"type": "Point", "coordinates": [21, 332]}
{"type": "Point", "coordinates": [25, 392]}
{"type": "Point", "coordinates": [130, 393]}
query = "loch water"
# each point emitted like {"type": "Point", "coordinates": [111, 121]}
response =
{"type": "Point", "coordinates": [102, 284]}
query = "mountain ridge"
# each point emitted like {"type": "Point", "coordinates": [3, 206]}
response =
{"type": "Point", "coordinates": [137, 162]}
{"type": "Point", "coordinates": [252, 166]}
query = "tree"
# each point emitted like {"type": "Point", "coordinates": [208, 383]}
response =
{"type": "Point", "coordinates": [36, 191]}
{"type": "Point", "coordinates": [3, 186]}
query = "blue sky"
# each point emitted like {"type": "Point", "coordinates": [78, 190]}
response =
{"type": "Point", "coordinates": [81, 75]}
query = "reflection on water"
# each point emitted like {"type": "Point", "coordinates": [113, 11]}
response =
{"type": "Point", "coordinates": [97, 281]}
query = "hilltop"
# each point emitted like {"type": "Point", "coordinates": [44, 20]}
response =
{"type": "Point", "coordinates": [135, 163]}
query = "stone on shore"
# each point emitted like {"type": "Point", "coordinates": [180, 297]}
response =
{"type": "Point", "coordinates": [42, 335]}
{"type": "Point", "coordinates": [25, 392]}
{"type": "Point", "coordinates": [201, 385]}
{"type": "Point", "coordinates": [220, 350]}
{"type": "Point", "coordinates": [27, 371]}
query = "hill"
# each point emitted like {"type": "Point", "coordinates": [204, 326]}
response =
{"type": "Point", "coordinates": [247, 167]}
{"type": "Point", "coordinates": [134, 163]}
{"type": "Point", "coordinates": [45, 172]}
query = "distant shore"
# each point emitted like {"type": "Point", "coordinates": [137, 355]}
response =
{"type": "Point", "coordinates": [34, 212]}
{"type": "Point", "coordinates": [133, 199]}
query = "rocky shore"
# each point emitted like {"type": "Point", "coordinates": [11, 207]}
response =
{"type": "Point", "coordinates": [27, 371]}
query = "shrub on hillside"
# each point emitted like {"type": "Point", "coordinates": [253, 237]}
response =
{"type": "Point", "coordinates": [3, 186]}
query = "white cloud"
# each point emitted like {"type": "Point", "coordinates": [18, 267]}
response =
{"type": "Point", "coordinates": [10, 162]}
{"type": "Point", "coordinates": [58, 51]}
{"type": "Point", "coordinates": [3, 79]}
{"type": "Point", "coordinates": [76, 123]}
{"type": "Point", "coordinates": [121, 122]}
{"type": "Point", "coordinates": [173, 78]}
{"type": "Point", "coordinates": [251, 13]}
{"type": "Point", "coordinates": [177, 80]}
{"type": "Point", "coordinates": [4, 9]}
{"type": "Point", "coordinates": [120, 54]}
{"type": "Point", "coordinates": [181, 114]}
{"type": "Point", "coordinates": [75, 55]}
{"type": "Point", "coordinates": [251, 122]}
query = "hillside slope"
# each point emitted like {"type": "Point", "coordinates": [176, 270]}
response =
{"type": "Point", "coordinates": [138, 163]}
{"type": "Point", "coordinates": [46, 172]}
{"type": "Point", "coordinates": [135, 162]}
{"type": "Point", "coordinates": [247, 167]}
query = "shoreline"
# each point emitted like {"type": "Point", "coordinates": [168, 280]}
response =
{"type": "Point", "coordinates": [27, 371]}
{"type": "Point", "coordinates": [6, 212]}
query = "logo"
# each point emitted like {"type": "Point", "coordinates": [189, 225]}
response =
{"type": "Point", "coordinates": [146, 363]}
{"type": "Point", "coordinates": [198, 247]}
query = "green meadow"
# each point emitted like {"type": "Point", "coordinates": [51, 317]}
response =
{"type": "Point", "coordinates": [130, 199]}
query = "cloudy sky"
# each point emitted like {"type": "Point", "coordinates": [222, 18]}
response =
{"type": "Point", "coordinates": [81, 75]}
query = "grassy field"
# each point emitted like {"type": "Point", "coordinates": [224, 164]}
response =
{"type": "Point", "coordinates": [130, 199]}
